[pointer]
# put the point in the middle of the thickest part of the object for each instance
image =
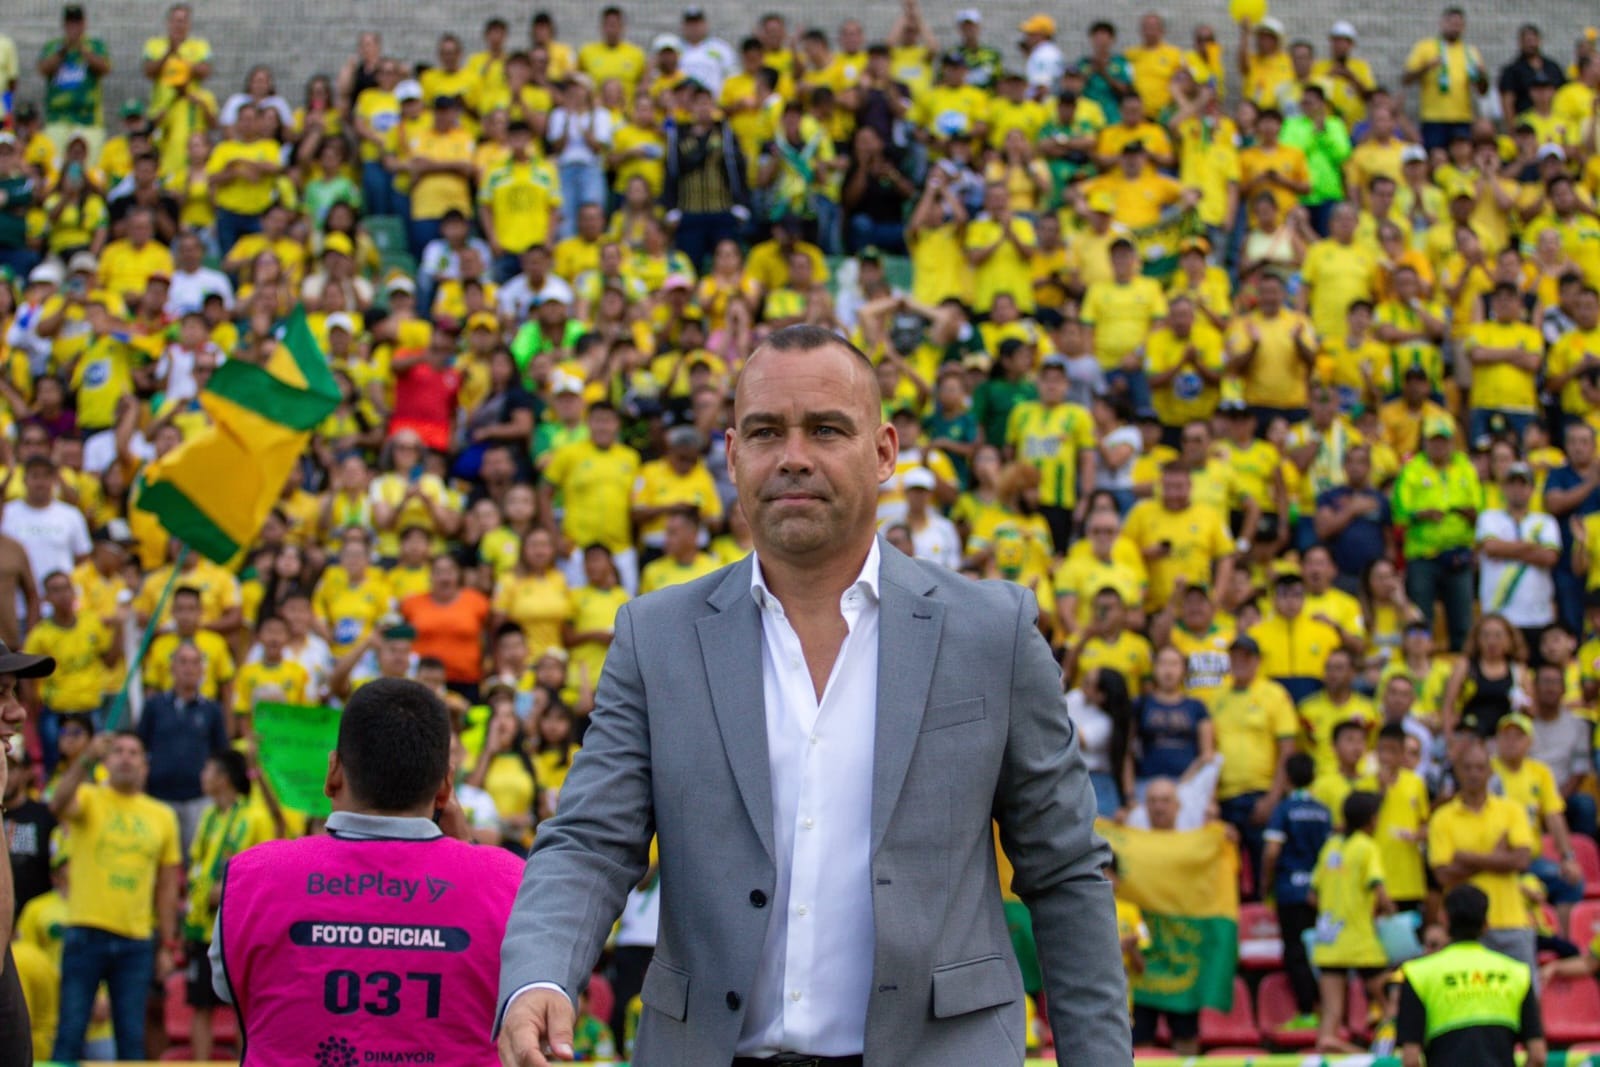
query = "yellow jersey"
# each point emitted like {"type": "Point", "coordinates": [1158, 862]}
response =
{"type": "Point", "coordinates": [595, 486]}
{"type": "Point", "coordinates": [286, 682]}
{"type": "Point", "coordinates": [666, 571]}
{"type": "Point", "coordinates": [1051, 439]}
{"type": "Point", "coordinates": [1402, 825]}
{"type": "Point", "coordinates": [117, 844]}
{"type": "Point", "coordinates": [214, 652]}
{"type": "Point", "coordinates": [81, 678]}
{"type": "Point", "coordinates": [1251, 723]}
{"type": "Point", "coordinates": [1455, 827]}
{"type": "Point", "coordinates": [1348, 874]}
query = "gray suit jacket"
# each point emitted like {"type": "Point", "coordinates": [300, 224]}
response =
{"type": "Point", "coordinates": [971, 726]}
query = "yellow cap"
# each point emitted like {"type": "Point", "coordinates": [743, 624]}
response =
{"type": "Point", "coordinates": [1102, 201]}
{"type": "Point", "coordinates": [483, 320]}
{"type": "Point", "coordinates": [1043, 25]}
{"type": "Point", "coordinates": [1438, 426]}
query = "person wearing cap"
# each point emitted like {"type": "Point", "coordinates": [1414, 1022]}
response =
{"type": "Point", "coordinates": [1294, 646]}
{"type": "Point", "coordinates": [1044, 62]}
{"type": "Point", "coordinates": [1347, 77]}
{"type": "Point", "coordinates": [704, 58]}
{"type": "Point", "coordinates": [1506, 354]}
{"type": "Point", "coordinates": [612, 56]}
{"type": "Point", "coordinates": [676, 480]}
{"type": "Point", "coordinates": [1436, 499]}
{"type": "Point", "coordinates": [16, 1044]}
{"type": "Point", "coordinates": [1056, 438]}
{"type": "Point", "coordinates": [1254, 722]}
{"type": "Point", "coordinates": [1325, 140]}
{"type": "Point", "coordinates": [1266, 68]}
{"type": "Point", "coordinates": [388, 651]}
{"type": "Point", "coordinates": [705, 187]}
{"type": "Point", "coordinates": [438, 157]}
{"type": "Point", "coordinates": [73, 66]}
{"type": "Point", "coordinates": [933, 537]}
{"type": "Point", "coordinates": [1521, 778]}
{"type": "Point", "coordinates": [18, 195]}
{"type": "Point", "coordinates": [980, 63]}
{"type": "Point", "coordinates": [1518, 548]}
{"type": "Point", "coordinates": [1449, 72]}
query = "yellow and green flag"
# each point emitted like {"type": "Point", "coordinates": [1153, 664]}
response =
{"type": "Point", "coordinates": [214, 491]}
{"type": "Point", "coordinates": [1187, 884]}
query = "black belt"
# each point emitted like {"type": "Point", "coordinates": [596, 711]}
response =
{"type": "Point", "coordinates": [795, 1059]}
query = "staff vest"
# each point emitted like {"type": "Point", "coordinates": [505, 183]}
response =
{"type": "Point", "coordinates": [1466, 985]}
{"type": "Point", "coordinates": [367, 951]}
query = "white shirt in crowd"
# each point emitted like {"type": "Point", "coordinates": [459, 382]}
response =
{"type": "Point", "coordinates": [814, 979]}
{"type": "Point", "coordinates": [517, 297]}
{"type": "Point", "coordinates": [710, 62]}
{"type": "Point", "coordinates": [1044, 67]}
{"type": "Point", "coordinates": [938, 541]}
{"type": "Point", "coordinates": [55, 536]}
{"type": "Point", "coordinates": [1524, 594]}
{"type": "Point", "coordinates": [188, 290]}
{"type": "Point", "coordinates": [572, 124]}
{"type": "Point", "coordinates": [1094, 732]}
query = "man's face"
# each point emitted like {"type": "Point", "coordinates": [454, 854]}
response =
{"type": "Point", "coordinates": [1350, 746]}
{"type": "Point", "coordinates": [1518, 492]}
{"type": "Point", "coordinates": [1580, 445]}
{"type": "Point", "coordinates": [808, 449]}
{"type": "Point", "coordinates": [1549, 689]}
{"type": "Point", "coordinates": [1338, 673]}
{"type": "Point", "coordinates": [1357, 466]}
{"type": "Point", "coordinates": [40, 484]}
{"type": "Point", "coordinates": [1397, 698]}
{"type": "Point", "coordinates": [1451, 25]}
{"type": "Point", "coordinates": [1161, 804]}
{"type": "Point", "coordinates": [186, 613]}
{"type": "Point", "coordinates": [187, 667]}
{"type": "Point", "coordinates": [1289, 599]}
{"type": "Point", "coordinates": [140, 227]}
{"type": "Point", "coordinates": [604, 426]}
{"type": "Point", "coordinates": [13, 716]}
{"type": "Point", "coordinates": [58, 591]}
{"type": "Point", "coordinates": [1472, 768]}
{"type": "Point", "coordinates": [1512, 743]}
{"type": "Point", "coordinates": [1175, 489]}
{"type": "Point", "coordinates": [1243, 665]}
{"type": "Point", "coordinates": [125, 764]}
{"type": "Point", "coordinates": [1438, 449]}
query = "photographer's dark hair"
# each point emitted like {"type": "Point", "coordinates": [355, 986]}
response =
{"type": "Point", "coordinates": [394, 744]}
{"type": "Point", "coordinates": [232, 764]}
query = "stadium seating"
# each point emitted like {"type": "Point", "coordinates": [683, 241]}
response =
{"type": "Point", "coordinates": [1260, 941]}
{"type": "Point", "coordinates": [1236, 1027]}
{"type": "Point", "coordinates": [1584, 922]}
{"type": "Point", "coordinates": [1275, 1006]}
{"type": "Point", "coordinates": [1571, 1011]}
{"type": "Point", "coordinates": [178, 1016]}
{"type": "Point", "coordinates": [601, 997]}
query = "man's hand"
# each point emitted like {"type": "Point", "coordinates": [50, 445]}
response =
{"type": "Point", "coordinates": [539, 1019]}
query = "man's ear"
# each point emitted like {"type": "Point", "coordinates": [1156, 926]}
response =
{"type": "Point", "coordinates": [333, 785]}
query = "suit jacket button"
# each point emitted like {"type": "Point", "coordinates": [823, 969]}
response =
{"type": "Point", "coordinates": [758, 899]}
{"type": "Point", "coordinates": [733, 1001]}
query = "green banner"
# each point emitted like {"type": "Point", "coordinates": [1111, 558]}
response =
{"type": "Point", "coordinates": [292, 746]}
{"type": "Point", "coordinates": [1189, 965]}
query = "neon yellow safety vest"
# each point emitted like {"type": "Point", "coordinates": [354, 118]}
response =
{"type": "Point", "coordinates": [1465, 985]}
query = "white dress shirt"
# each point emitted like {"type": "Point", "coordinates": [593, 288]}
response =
{"type": "Point", "coordinates": [815, 976]}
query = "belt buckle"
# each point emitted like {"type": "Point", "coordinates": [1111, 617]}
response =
{"type": "Point", "coordinates": [791, 1059]}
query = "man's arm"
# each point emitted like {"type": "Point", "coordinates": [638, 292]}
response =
{"type": "Point", "coordinates": [586, 858]}
{"type": "Point", "coordinates": [1046, 810]}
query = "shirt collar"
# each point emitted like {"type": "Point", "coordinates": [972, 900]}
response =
{"type": "Point", "coordinates": [866, 582]}
{"type": "Point", "coordinates": [353, 825]}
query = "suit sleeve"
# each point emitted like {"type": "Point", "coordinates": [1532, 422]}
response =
{"type": "Point", "coordinates": [587, 857]}
{"type": "Point", "coordinates": [1045, 807]}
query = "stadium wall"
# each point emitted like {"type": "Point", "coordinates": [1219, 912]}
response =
{"type": "Point", "coordinates": [299, 38]}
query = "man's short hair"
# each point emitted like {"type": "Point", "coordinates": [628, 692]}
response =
{"type": "Point", "coordinates": [805, 337]}
{"type": "Point", "coordinates": [232, 763]}
{"type": "Point", "coordinates": [394, 744]}
{"type": "Point", "coordinates": [1466, 909]}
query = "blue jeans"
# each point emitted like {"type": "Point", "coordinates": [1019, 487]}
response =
{"type": "Point", "coordinates": [1478, 422]}
{"type": "Point", "coordinates": [1558, 888]}
{"type": "Point", "coordinates": [1430, 580]}
{"type": "Point", "coordinates": [581, 183]}
{"type": "Point", "coordinates": [1236, 812]}
{"type": "Point", "coordinates": [1133, 384]}
{"type": "Point", "coordinates": [377, 189]}
{"type": "Point", "coordinates": [506, 266]}
{"type": "Point", "coordinates": [20, 260]}
{"type": "Point", "coordinates": [1581, 815]}
{"type": "Point", "coordinates": [127, 966]}
{"type": "Point", "coordinates": [1439, 134]}
{"type": "Point", "coordinates": [890, 237]}
{"type": "Point", "coordinates": [1106, 798]}
{"type": "Point", "coordinates": [698, 234]}
{"type": "Point", "coordinates": [829, 214]}
{"type": "Point", "coordinates": [231, 227]}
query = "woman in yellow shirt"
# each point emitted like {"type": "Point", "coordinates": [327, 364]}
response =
{"type": "Point", "coordinates": [1026, 178]}
{"type": "Point", "coordinates": [535, 594]}
{"type": "Point", "coordinates": [726, 285]}
{"type": "Point", "coordinates": [1387, 612]}
{"type": "Point", "coordinates": [504, 770]}
{"type": "Point", "coordinates": [589, 631]}
{"type": "Point", "coordinates": [553, 759]}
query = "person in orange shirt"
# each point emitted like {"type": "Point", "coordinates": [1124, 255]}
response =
{"type": "Point", "coordinates": [450, 620]}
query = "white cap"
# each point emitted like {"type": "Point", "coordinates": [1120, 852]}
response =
{"type": "Point", "coordinates": [1413, 153]}
{"type": "Point", "coordinates": [1343, 29]}
{"type": "Point", "coordinates": [340, 320]}
{"type": "Point", "coordinates": [969, 14]}
{"type": "Point", "coordinates": [1552, 151]}
{"type": "Point", "coordinates": [401, 284]}
{"type": "Point", "coordinates": [48, 271]}
{"type": "Point", "coordinates": [918, 478]}
{"type": "Point", "coordinates": [410, 89]}
{"type": "Point", "coordinates": [83, 261]}
{"type": "Point", "coordinates": [665, 41]}
{"type": "Point", "coordinates": [561, 382]}
{"type": "Point", "coordinates": [1270, 25]}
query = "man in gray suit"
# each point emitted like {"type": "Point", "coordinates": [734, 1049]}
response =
{"type": "Point", "coordinates": [820, 736]}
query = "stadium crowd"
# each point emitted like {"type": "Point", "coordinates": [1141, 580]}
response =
{"type": "Point", "coordinates": [1275, 377]}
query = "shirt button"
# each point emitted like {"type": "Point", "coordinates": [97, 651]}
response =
{"type": "Point", "coordinates": [815, 739]}
{"type": "Point", "coordinates": [808, 824]}
{"type": "Point", "coordinates": [758, 899]}
{"type": "Point", "coordinates": [803, 910]}
{"type": "Point", "coordinates": [795, 996]}
{"type": "Point", "coordinates": [733, 1001]}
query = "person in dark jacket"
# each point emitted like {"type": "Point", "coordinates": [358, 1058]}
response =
{"type": "Point", "coordinates": [706, 195]}
{"type": "Point", "coordinates": [180, 730]}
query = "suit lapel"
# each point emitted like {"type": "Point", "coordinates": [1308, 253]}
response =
{"type": "Point", "coordinates": [909, 624]}
{"type": "Point", "coordinates": [730, 645]}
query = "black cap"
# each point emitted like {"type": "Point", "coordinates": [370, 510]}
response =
{"type": "Point", "coordinates": [72, 13]}
{"type": "Point", "coordinates": [1416, 370]}
{"type": "Point", "coordinates": [25, 666]}
{"type": "Point", "coordinates": [954, 58]}
{"type": "Point", "coordinates": [1245, 643]}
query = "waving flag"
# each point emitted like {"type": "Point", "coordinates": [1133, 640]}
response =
{"type": "Point", "coordinates": [1187, 884]}
{"type": "Point", "coordinates": [215, 490]}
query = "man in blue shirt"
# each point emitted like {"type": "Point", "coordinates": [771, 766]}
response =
{"type": "Point", "coordinates": [1295, 834]}
{"type": "Point", "coordinates": [1353, 520]}
{"type": "Point", "coordinates": [1571, 492]}
{"type": "Point", "coordinates": [180, 730]}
